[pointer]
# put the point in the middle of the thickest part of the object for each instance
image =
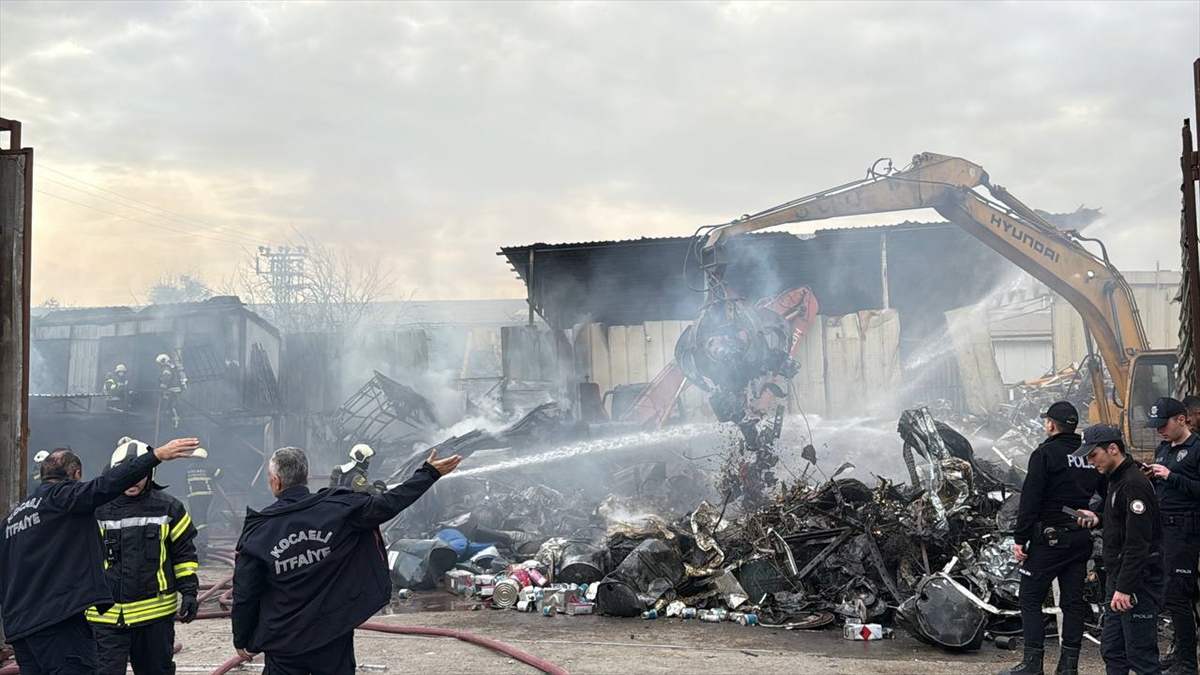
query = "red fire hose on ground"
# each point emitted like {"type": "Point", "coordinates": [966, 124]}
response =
{"type": "Point", "coordinates": [512, 652]}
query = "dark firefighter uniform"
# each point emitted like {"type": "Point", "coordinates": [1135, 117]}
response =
{"type": "Point", "coordinates": [200, 479]}
{"type": "Point", "coordinates": [52, 569]}
{"type": "Point", "coordinates": [312, 567]}
{"type": "Point", "coordinates": [150, 556]}
{"type": "Point", "coordinates": [1133, 564]}
{"type": "Point", "coordinates": [1057, 547]}
{"type": "Point", "coordinates": [1179, 502]}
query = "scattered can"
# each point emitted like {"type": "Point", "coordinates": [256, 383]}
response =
{"type": "Point", "coordinates": [525, 606]}
{"type": "Point", "coordinates": [854, 630]}
{"type": "Point", "coordinates": [650, 614]}
{"type": "Point", "coordinates": [520, 576]}
{"type": "Point", "coordinates": [404, 594]}
{"type": "Point", "coordinates": [536, 577]}
{"type": "Point", "coordinates": [688, 613]}
{"type": "Point", "coordinates": [746, 619]}
{"type": "Point", "coordinates": [549, 610]}
{"type": "Point", "coordinates": [1009, 641]}
{"type": "Point", "coordinates": [710, 616]}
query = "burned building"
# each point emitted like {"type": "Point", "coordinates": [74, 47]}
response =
{"type": "Point", "coordinates": [883, 294]}
{"type": "Point", "coordinates": [219, 384]}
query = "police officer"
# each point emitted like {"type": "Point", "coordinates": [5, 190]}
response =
{"type": "Point", "coordinates": [311, 567]}
{"type": "Point", "coordinates": [1049, 543]}
{"type": "Point", "coordinates": [1176, 475]}
{"type": "Point", "coordinates": [150, 556]}
{"type": "Point", "coordinates": [1133, 562]}
{"type": "Point", "coordinates": [52, 563]}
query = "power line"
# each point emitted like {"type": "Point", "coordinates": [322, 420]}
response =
{"type": "Point", "coordinates": [247, 240]}
{"type": "Point", "coordinates": [143, 222]}
{"type": "Point", "coordinates": [215, 228]}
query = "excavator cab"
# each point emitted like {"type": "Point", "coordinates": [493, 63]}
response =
{"type": "Point", "coordinates": [1152, 376]}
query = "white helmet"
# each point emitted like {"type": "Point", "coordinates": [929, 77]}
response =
{"type": "Point", "coordinates": [127, 449]}
{"type": "Point", "coordinates": [162, 359]}
{"type": "Point", "coordinates": [120, 367]}
{"type": "Point", "coordinates": [361, 452]}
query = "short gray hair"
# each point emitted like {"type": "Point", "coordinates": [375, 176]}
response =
{"type": "Point", "coordinates": [291, 465]}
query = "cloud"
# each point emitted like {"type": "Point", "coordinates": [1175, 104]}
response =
{"type": "Point", "coordinates": [431, 134]}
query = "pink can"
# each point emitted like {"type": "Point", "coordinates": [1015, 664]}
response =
{"type": "Point", "coordinates": [521, 577]}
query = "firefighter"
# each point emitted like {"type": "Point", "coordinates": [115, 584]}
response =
{"type": "Point", "coordinates": [311, 567]}
{"type": "Point", "coordinates": [1176, 476]}
{"type": "Point", "coordinates": [1049, 544]}
{"type": "Point", "coordinates": [116, 386]}
{"type": "Point", "coordinates": [200, 479]}
{"type": "Point", "coordinates": [172, 380]}
{"type": "Point", "coordinates": [52, 562]}
{"type": "Point", "coordinates": [150, 556]}
{"type": "Point", "coordinates": [1133, 561]}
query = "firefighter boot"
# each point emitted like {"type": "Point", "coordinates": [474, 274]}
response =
{"type": "Point", "coordinates": [1030, 665]}
{"type": "Point", "coordinates": [1068, 661]}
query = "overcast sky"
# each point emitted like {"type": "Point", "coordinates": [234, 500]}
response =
{"type": "Point", "coordinates": [432, 134]}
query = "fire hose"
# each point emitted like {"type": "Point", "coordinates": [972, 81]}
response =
{"type": "Point", "coordinates": [507, 650]}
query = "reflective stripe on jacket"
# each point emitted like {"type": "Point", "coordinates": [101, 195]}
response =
{"type": "Point", "coordinates": [150, 555]}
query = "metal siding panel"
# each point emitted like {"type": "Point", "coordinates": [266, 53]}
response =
{"type": "Point", "coordinates": [51, 333]}
{"type": "Point", "coordinates": [637, 348]}
{"type": "Point", "coordinates": [85, 367]}
{"type": "Point", "coordinates": [1021, 360]}
{"type": "Point", "coordinates": [809, 383]}
{"type": "Point", "coordinates": [619, 356]}
{"type": "Point", "coordinates": [656, 352]}
{"type": "Point", "coordinates": [599, 357]}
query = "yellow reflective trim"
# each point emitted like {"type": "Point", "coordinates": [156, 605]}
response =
{"type": "Point", "coordinates": [177, 531]}
{"type": "Point", "coordinates": [186, 568]}
{"type": "Point", "coordinates": [162, 558]}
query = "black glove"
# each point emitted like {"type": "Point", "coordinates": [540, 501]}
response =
{"type": "Point", "coordinates": [188, 608]}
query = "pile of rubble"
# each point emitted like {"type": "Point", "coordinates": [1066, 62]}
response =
{"type": "Point", "coordinates": [930, 554]}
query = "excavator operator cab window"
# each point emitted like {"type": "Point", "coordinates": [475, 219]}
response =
{"type": "Point", "coordinates": [1152, 377]}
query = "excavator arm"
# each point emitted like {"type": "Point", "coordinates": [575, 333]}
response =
{"type": "Point", "coordinates": [948, 185]}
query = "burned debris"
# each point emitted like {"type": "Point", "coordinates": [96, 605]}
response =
{"type": "Point", "coordinates": [929, 555]}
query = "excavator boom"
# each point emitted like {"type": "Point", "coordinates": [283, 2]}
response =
{"type": "Point", "coordinates": [949, 185]}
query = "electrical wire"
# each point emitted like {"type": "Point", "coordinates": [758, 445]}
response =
{"type": "Point", "coordinates": [215, 228]}
{"type": "Point", "coordinates": [142, 222]}
{"type": "Point", "coordinates": [248, 240]}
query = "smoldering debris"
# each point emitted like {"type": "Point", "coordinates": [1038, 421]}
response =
{"type": "Point", "coordinates": [931, 555]}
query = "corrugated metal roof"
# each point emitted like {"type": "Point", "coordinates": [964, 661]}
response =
{"type": "Point", "coordinates": [647, 279]}
{"type": "Point", "coordinates": [109, 315]}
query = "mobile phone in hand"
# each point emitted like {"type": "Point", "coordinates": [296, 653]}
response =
{"type": "Point", "coordinates": [1075, 513]}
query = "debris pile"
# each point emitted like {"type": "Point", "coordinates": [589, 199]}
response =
{"type": "Point", "coordinates": [932, 554]}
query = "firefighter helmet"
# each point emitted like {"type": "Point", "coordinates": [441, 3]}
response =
{"type": "Point", "coordinates": [120, 368]}
{"type": "Point", "coordinates": [128, 449]}
{"type": "Point", "coordinates": [162, 359]}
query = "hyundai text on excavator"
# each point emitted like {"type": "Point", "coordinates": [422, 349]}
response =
{"type": "Point", "coordinates": [739, 356]}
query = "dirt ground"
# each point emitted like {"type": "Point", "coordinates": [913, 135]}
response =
{"type": "Point", "coordinates": [602, 645]}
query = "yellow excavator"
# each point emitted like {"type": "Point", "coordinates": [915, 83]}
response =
{"type": "Point", "coordinates": [1057, 258]}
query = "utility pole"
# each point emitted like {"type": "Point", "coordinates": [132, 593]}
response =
{"type": "Point", "coordinates": [16, 203]}
{"type": "Point", "coordinates": [284, 269]}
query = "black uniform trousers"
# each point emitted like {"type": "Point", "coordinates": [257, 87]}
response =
{"type": "Point", "coordinates": [198, 506]}
{"type": "Point", "coordinates": [1129, 640]}
{"type": "Point", "coordinates": [1181, 546]}
{"type": "Point", "coordinates": [66, 648]}
{"type": "Point", "coordinates": [148, 647]}
{"type": "Point", "coordinates": [335, 658]}
{"type": "Point", "coordinates": [1066, 561]}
